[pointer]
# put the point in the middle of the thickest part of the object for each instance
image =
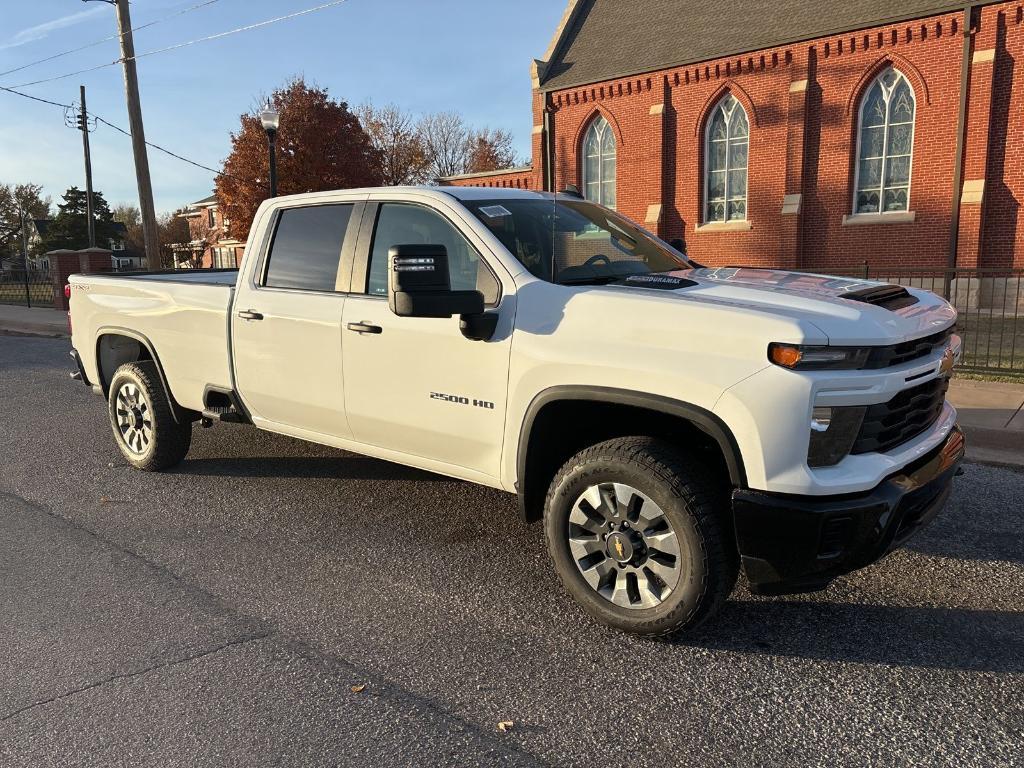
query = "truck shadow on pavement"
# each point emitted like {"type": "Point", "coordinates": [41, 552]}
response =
{"type": "Point", "coordinates": [914, 636]}
{"type": "Point", "coordinates": [342, 467]}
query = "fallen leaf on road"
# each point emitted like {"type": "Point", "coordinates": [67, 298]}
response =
{"type": "Point", "coordinates": [505, 725]}
{"type": "Point", "coordinates": [105, 499]}
{"type": "Point", "coordinates": [359, 688]}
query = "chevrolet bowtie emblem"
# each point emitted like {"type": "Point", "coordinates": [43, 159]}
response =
{"type": "Point", "coordinates": [619, 548]}
{"type": "Point", "coordinates": [946, 366]}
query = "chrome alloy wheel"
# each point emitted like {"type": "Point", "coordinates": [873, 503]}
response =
{"type": "Point", "coordinates": [134, 418]}
{"type": "Point", "coordinates": [624, 546]}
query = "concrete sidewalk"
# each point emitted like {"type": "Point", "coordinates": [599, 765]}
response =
{"type": "Point", "coordinates": [991, 413]}
{"type": "Point", "coordinates": [37, 321]}
{"type": "Point", "coordinates": [992, 416]}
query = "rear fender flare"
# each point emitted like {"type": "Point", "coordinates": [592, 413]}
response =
{"type": "Point", "coordinates": [181, 415]}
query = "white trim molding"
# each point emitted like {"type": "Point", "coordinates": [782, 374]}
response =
{"type": "Point", "coordinates": [736, 225]}
{"type": "Point", "coordinates": [895, 217]}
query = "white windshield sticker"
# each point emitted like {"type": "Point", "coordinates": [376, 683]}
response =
{"type": "Point", "coordinates": [495, 211]}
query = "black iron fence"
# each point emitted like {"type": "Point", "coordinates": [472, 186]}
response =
{"type": "Point", "coordinates": [31, 287]}
{"type": "Point", "coordinates": [990, 302]}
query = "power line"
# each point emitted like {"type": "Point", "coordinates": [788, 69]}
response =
{"type": "Point", "coordinates": [109, 37]}
{"type": "Point", "coordinates": [128, 133]}
{"type": "Point", "coordinates": [36, 98]}
{"type": "Point", "coordinates": [240, 29]}
{"type": "Point", "coordinates": [175, 155]}
{"type": "Point", "coordinates": [69, 74]}
{"type": "Point", "coordinates": [185, 44]}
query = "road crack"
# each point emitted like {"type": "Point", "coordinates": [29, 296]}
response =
{"type": "Point", "coordinates": [139, 673]}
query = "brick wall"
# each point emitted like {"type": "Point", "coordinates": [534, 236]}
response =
{"type": "Point", "coordinates": [517, 178]}
{"type": "Point", "coordinates": [802, 104]}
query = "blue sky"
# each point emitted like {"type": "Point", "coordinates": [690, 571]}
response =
{"type": "Point", "coordinates": [472, 56]}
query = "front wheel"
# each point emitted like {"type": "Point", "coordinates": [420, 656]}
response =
{"type": "Point", "coordinates": [142, 420]}
{"type": "Point", "coordinates": [635, 532]}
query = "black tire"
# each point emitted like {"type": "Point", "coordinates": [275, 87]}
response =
{"type": "Point", "coordinates": [164, 442]}
{"type": "Point", "coordinates": [690, 503]}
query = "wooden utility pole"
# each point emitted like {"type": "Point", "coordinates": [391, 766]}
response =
{"type": "Point", "coordinates": [83, 126]}
{"type": "Point", "coordinates": [131, 87]}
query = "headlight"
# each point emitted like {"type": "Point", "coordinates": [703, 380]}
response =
{"type": "Point", "coordinates": [802, 357]}
{"type": "Point", "coordinates": [833, 431]}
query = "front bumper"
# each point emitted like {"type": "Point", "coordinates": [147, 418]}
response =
{"type": "Point", "coordinates": [790, 543]}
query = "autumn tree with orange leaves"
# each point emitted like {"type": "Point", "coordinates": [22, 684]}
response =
{"type": "Point", "coordinates": [320, 146]}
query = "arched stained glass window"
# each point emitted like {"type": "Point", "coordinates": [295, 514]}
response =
{"type": "Point", "coordinates": [885, 145]}
{"type": "Point", "coordinates": [599, 163]}
{"type": "Point", "coordinates": [725, 152]}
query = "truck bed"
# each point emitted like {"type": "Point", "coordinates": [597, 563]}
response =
{"type": "Point", "coordinates": [193, 277]}
{"type": "Point", "coordinates": [184, 315]}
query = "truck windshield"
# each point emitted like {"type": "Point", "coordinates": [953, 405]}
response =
{"type": "Point", "coordinates": [574, 242]}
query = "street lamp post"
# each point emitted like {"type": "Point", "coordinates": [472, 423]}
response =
{"type": "Point", "coordinates": [270, 118]}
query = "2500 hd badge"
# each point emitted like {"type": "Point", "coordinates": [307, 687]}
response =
{"type": "Point", "coordinates": [461, 400]}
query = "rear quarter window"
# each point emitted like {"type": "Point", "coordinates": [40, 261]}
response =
{"type": "Point", "coordinates": [306, 250]}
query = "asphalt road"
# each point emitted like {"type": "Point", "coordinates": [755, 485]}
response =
{"type": "Point", "coordinates": [220, 613]}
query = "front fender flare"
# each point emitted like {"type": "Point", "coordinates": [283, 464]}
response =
{"type": "Point", "coordinates": [701, 418]}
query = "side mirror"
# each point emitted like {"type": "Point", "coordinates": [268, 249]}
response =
{"type": "Point", "coordinates": [419, 284]}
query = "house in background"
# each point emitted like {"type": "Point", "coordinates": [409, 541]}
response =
{"type": "Point", "coordinates": [122, 258]}
{"type": "Point", "coordinates": [798, 133]}
{"type": "Point", "coordinates": [210, 244]}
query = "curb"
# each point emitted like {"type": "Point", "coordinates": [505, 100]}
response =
{"type": "Point", "coordinates": [33, 329]}
{"type": "Point", "coordinates": [999, 447]}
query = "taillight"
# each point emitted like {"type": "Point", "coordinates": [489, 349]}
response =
{"type": "Point", "coordinates": [67, 291]}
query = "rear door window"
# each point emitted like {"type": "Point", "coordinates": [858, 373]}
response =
{"type": "Point", "coordinates": [306, 250]}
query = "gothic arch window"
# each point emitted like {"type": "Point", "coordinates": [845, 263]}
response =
{"type": "Point", "coordinates": [885, 145]}
{"type": "Point", "coordinates": [599, 162]}
{"type": "Point", "coordinates": [726, 142]}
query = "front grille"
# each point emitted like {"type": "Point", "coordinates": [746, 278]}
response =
{"type": "Point", "coordinates": [898, 354]}
{"type": "Point", "coordinates": [904, 417]}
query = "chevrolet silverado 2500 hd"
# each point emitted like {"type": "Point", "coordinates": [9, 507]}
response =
{"type": "Point", "coordinates": [670, 423]}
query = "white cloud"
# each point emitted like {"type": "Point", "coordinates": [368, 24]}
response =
{"type": "Point", "coordinates": [39, 31]}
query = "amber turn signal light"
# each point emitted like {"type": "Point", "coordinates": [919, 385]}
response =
{"type": "Point", "coordinates": [784, 355]}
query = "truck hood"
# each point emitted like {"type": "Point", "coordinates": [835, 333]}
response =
{"type": "Point", "coordinates": [846, 310]}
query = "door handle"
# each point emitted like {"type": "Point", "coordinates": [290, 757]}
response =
{"type": "Point", "coordinates": [365, 328]}
{"type": "Point", "coordinates": [250, 314]}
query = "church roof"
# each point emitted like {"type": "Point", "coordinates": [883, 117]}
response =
{"type": "Point", "coordinates": [606, 39]}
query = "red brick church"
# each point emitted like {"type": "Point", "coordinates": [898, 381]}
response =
{"type": "Point", "coordinates": [793, 133]}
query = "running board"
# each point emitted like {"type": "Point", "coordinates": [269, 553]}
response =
{"type": "Point", "coordinates": [226, 413]}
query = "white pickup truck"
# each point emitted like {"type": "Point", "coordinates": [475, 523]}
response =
{"type": "Point", "coordinates": [670, 423]}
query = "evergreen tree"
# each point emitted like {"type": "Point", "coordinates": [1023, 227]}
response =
{"type": "Point", "coordinates": [69, 228]}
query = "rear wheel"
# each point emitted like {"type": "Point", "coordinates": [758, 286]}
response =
{"type": "Point", "coordinates": [142, 419]}
{"type": "Point", "coordinates": [635, 532]}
